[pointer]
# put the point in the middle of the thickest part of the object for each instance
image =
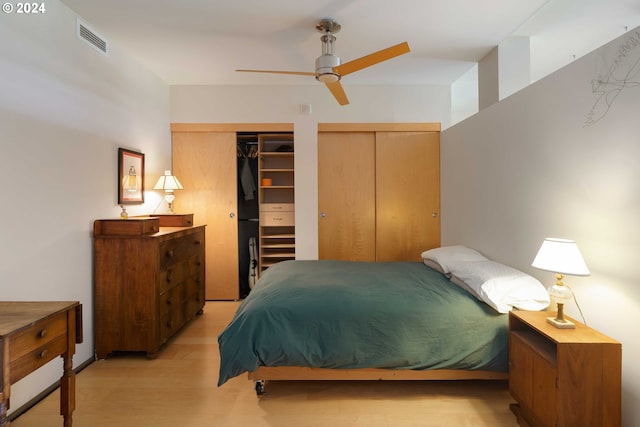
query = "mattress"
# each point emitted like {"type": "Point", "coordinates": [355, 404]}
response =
{"type": "Point", "coordinates": [343, 314]}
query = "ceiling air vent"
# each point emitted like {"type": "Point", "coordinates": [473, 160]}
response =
{"type": "Point", "coordinates": [94, 39]}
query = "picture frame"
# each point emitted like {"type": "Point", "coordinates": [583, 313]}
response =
{"type": "Point", "coordinates": [130, 177]}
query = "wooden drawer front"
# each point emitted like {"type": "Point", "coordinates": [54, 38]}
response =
{"type": "Point", "coordinates": [176, 220]}
{"type": "Point", "coordinates": [174, 250]}
{"type": "Point", "coordinates": [196, 265]}
{"type": "Point", "coordinates": [194, 297]}
{"type": "Point", "coordinates": [38, 335]}
{"type": "Point", "coordinates": [173, 275]}
{"type": "Point", "coordinates": [171, 299]}
{"type": "Point", "coordinates": [170, 322]}
{"type": "Point", "coordinates": [277, 207]}
{"type": "Point", "coordinates": [37, 357]}
{"type": "Point", "coordinates": [271, 219]}
{"type": "Point", "coordinates": [126, 227]}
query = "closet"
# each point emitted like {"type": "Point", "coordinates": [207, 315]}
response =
{"type": "Point", "coordinates": [211, 161]}
{"type": "Point", "coordinates": [378, 191]}
{"type": "Point", "coordinates": [248, 210]}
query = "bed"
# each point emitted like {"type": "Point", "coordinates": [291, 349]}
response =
{"type": "Point", "coordinates": [336, 320]}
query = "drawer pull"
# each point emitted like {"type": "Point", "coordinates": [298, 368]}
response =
{"type": "Point", "coordinates": [43, 354]}
{"type": "Point", "coordinates": [170, 253]}
{"type": "Point", "coordinates": [169, 277]}
{"type": "Point", "coordinates": [198, 242]}
{"type": "Point", "coordinates": [43, 333]}
{"type": "Point", "coordinates": [168, 302]}
{"type": "Point", "coordinates": [277, 219]}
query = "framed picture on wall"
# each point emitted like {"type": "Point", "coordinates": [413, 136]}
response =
{"type": "Point", "coordinates": [130, 177]}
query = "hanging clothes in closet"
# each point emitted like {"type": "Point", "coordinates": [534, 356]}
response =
{"type": "Point", "coordinates": [248, 212]}
{"type": "Point", "coordinates": [247, 179]}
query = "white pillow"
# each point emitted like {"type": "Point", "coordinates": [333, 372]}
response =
{"type": "Point", "coordinates": [445, 258]}
{"type": "Point", "coordinates": [461, 283]}
{"type": "Point", "coordinates": [501, 287]}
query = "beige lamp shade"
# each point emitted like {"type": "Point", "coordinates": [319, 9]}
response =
{"type": "Point", "coordinates": [168, 182]}
{"type": "Point", "coordinates": [561, 256]}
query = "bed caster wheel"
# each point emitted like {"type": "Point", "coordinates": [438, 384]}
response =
{"type": "Point", "coordinates": [259, 387]}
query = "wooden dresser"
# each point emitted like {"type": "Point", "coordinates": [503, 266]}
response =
{"type": "Point", "coordinates": [563, 377]}
{"type": "Point", "coordinates": [149, 281]}
{"type": "Point", "coordinates": [32, 334]}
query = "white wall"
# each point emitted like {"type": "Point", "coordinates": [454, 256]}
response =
{"type": "Point", "coordinates": [281, 104]}
{"type": "Point", "coordinates": [64, 110]}
{"type": "Point", "coordinates": [560, 159]}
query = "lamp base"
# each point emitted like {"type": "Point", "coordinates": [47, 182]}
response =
{"type": "Point", "coordinates": [565, 324]}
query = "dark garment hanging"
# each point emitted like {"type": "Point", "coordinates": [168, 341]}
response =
{"type": "Point", "coordinates": [246, 178]}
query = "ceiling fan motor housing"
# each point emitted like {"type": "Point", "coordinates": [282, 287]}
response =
{"type": "Point", "coordinates": [324, 68]}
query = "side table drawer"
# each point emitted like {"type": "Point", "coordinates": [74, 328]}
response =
{"type": "Point", "coordinates": [38, 335]}
{"type": "Point", "coordinates": [32, 360]}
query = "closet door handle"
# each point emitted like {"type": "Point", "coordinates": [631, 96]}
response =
{"type": "Point", "coordinates": [323, 214]}
{"type": "Point", "coordinates": [232, 215]}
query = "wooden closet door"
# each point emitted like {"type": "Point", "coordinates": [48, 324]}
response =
{"type": "Point", "coordinates": [205, 163]}
{"type": "Point", "coordinates": [407, 194]}
{"type": "Point", "coordinates": [346, 196]}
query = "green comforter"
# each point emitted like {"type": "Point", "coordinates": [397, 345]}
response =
{"type": "Point", "coordinates": [342, 314]}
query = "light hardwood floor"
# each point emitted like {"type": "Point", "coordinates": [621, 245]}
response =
{"type": "Point", "coordinates": [178, 389]}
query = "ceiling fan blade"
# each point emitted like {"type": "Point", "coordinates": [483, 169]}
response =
{"type": "Point", "coordinates": [372, 59]}
{"type": "Point", "coordinates": [299, 73]}
{"type": "Point", "coordinates": [338, 92]}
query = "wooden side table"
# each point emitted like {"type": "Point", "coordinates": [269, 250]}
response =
{"type": "Point", "coordinates": [563, 377]}
{"type": "Point", "coordinates": [32, 334]}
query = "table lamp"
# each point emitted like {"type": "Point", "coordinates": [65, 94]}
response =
{"type": "Point", "coordinates": [560, 256]}
{"type": "Point", "coordinates": [168, 183]}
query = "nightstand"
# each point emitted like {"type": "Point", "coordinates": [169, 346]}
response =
{"type": "Point", "coordinates": [563, 377]}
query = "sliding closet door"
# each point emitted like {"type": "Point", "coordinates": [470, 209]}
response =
{"type": "Point", "coordinates": [346, 196]}
{"type": "Point", "coordinates": [407, 194]}
{"type": "Point", "coordinates": [205, 163]}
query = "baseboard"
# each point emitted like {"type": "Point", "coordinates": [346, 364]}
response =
{"type": "Point", "coordinates": [47, 391]}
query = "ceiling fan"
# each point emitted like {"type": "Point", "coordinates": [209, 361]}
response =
{"type": "Point", "coordinates": [329, 70]}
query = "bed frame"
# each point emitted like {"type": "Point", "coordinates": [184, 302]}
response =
{"type": "Point", "coordinates": [282, 373]}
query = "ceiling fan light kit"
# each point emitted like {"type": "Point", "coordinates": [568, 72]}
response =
{"type": "Point", "coordinates": [329, 69]}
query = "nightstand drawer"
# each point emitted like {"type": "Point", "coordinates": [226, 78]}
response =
{"type": "Point", "coordinates": [270, 219]}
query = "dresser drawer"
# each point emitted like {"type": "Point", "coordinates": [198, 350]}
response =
{"type": "Point", "coordinates": [176, 220]}
{"type": "Point", "coordinates": [270, 219]}
{"type": "Point", "coordinates": [180, 248]}
{"type": "Point", "coordinates": [142, 226]}
{"type": "Point", "coordinates": [173, 275]}
{"type": "Point", "coordinates": [172, 299]}
{"type": "Point", "coordinates": [196, 265]}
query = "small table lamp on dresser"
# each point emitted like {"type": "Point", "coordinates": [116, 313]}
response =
{"type": "Point", "coordinates": [168, 183]}
{"type": "Point", "coordinates": [560, 256]}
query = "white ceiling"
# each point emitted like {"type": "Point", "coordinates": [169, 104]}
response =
{"type": "Point", "coordinates": [204, 41]}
